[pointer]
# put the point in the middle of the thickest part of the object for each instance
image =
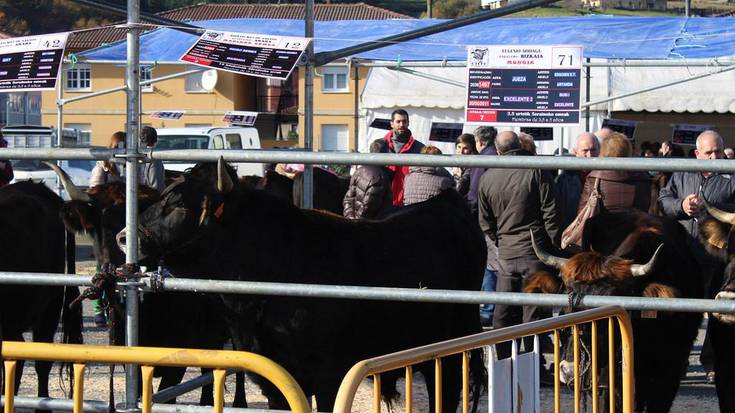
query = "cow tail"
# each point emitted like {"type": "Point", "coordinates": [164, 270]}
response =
{"type": "Point", "coordinates": [478, 376]}
{"type": "Point", "coordinates": [71, 316]}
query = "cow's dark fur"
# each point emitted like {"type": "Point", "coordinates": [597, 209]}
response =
{"type": "Point", "coordinates": [718, 239]}
{"type": "Point", "coordinates": [329, 190]}
{"type": "Point", "coordinates": [235, 236]}
{"type": "Point", "coordinates": [662, 344]}
{"type": "Point", "coordinates": [34, 241]}
{"type": "Point", "coordinates": [167, 319]}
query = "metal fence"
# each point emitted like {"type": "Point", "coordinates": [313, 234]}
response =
{"type": "Point", "coordinates": [436, 352]}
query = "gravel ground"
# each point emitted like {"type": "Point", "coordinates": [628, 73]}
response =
{"type": "Point", "coordinates": [694, 395]}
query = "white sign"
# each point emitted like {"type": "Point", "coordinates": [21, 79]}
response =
{"type": "Point", "coordinates": [523, 85]}
{"type": "Point", "coordinates": [240, 118]}
{"type": "Point", "coordinates": [167, 114]}
{"type": "Point", "coordinates": [31, 63]}
{"type": "Point", "coordinates": [248, 54]}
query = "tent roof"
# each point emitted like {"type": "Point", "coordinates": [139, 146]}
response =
{"type": "Point", "coordinates": [610, 37]}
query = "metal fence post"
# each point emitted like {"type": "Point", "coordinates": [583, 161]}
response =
{"type": "Point", "coordinates": [307, 195]}
{"type": "Point", "coordinates": [132, 73]}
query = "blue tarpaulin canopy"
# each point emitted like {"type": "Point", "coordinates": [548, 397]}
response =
{"type": "Point", "coordinates": [610, 37]}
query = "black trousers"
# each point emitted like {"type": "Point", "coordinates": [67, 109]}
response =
{"type": "Point", "coordinates": [511, 276]}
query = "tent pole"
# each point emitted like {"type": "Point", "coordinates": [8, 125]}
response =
{"type": "Point", "coordinates": [307, 194]}
{"type": "Point", "coordinates": [587, 97]}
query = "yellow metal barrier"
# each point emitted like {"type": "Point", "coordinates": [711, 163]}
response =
{"type": "Point", "coordinates": [407, 358]}
{"type": "Point", "coordinates": [147, 358]}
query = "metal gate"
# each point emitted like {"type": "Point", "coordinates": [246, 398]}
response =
{"type": "Point", "coordinates": [436, 352]}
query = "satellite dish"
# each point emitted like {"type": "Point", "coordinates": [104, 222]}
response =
{"type": "Point", "coordinates": [209, 80]}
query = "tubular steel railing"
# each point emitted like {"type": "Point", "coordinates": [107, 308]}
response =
{"type": "Point", "coordinates": [435, 352]}
{"type": "Point", "coordinates": [148, 358]}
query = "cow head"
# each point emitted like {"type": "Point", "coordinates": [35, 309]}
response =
{"type": "Point", "coordinates": [590, 272]}
{"type": "Point", "coordinates": [100, 213]}
{"type": "Point", "coordinates": [717, 234]}
{"type": "Point", "coordinates": [190, 208]}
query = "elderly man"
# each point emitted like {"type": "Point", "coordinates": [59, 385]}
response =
{"type": "Point", "coordinates": [569, 184]}
{"type": "Point", "coordinates": [512, 204]}
{"type": "Point", "coordinates": [681, 199]}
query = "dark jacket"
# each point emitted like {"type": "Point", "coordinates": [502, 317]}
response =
{"type": "Point", "coordinates": [568, 190]}
{"type": "Point", "coordinates": [718, 190]}
{"type": "Point", "coordinates": [513, 202]}
{"type": "Point", "coordinates": [619, 190]}
{"type": "Point", "coordinates": [424, 182]}
{"type": "Point", "coordinates": [6, 173]}
{"type": "Point", "coordinates": [369, 193]}
{"type": "Point", "coordinates": [475, 175]}
{"type": "Point", "coordinates": [462, 182]}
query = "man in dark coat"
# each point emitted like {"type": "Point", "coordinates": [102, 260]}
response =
{"type": "Point", "coordinates": [6, 168]}
{"type": "Point", "coordinates": [369, 194]}
{"type": "Point", "coordinates": [400, 140]}
{"type": "Point", "coordinates": [485, 145]}
{"type": "Point", "coordinates": [681, 199]}
{"type": "Point", "coordinates": [569, 183]}
{"type": "Point", "coordinates": [513, 203]}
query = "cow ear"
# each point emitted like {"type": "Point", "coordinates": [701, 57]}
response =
{"type": "Point", "coordinates": [713, 233]}
{"type": "Point", "coordinates": [657, 290]}
{"type": "Point", "coordinates": [78, 216]}
{"type": "Point", "coordinates": [542, 282]}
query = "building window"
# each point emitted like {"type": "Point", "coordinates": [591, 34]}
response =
{"type": "Point", "coordinates": [146, 73]}
{"type": "Point", "coordinates": [79, 78]}
{"type": "Point", "coordinates": [334, 79]}
{"type": "Point", "coordinates": [335, 138]}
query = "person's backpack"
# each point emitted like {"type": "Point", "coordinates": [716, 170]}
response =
{"type": "Point", "coordinates": [572, 236]}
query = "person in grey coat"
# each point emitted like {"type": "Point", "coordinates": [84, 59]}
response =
{"type": "Point", "coordinates": [152, 173]}
{"type": "Point", "coordinates": [681, 199]}
{"type": "Point", "coordinates": [424, 182]}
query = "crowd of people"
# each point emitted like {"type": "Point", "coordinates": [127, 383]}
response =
{"type": "Point", "coordinates": [513, 203]}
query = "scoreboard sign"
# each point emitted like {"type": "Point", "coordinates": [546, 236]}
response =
{"type": "Point", "coordinates": [522, 85]}
{"type": "Point", "coordinates": [259, 55]}
{"type": "Point", "coordinates": [31, 63]}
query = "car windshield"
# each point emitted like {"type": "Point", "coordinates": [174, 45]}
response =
{"type": "Point", "coordinates": [182, 142]}
{"type": "Point", "coordinates": [85, 164]}
{"type": "Point", "coordinates": [29, 165]}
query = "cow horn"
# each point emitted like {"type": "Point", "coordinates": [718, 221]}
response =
{"type": "Point", "coordinates": [718, 214]}
{"type": "Point", "coordinates": [545, 257]}
{"type": "Point", "coordinates": [639, 270]}
{"type": "Point", "coordinates": [224, 181]}
{"type": "Point", "coordinates": [74, 192]}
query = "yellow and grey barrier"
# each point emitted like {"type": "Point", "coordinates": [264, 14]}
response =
{"type": "Point", "coordinates": [148, 358]}
{"type": "Point", "coordinates": [407, 358]}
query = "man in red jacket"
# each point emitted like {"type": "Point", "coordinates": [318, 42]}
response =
{"type": "Point", "coordinates": [400, 140]}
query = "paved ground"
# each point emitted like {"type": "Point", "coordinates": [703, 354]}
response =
{"type": "Point", "coordinates": [694, 395]}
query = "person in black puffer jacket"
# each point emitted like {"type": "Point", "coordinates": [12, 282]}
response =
{"type": "Point", "coordinates": [369, 194]}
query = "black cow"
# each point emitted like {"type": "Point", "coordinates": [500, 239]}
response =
{"type": "Point", "coordinates": [615, 244]}
{"type": "Point", "coordinates": [204, 224]}
{"type": "Point", "coordinates": [34, 241]}
{"type": "Point", "coordinates": [329, 190]}
{"type": "Point", "coordinates": [167, 319]}
{"type": "Point", "coordinates": [716, 233]}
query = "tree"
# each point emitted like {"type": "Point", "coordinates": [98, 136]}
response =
{"type": "Point", "coordinates": [451, 9]}
{"type": "Point", "coordinates": [46, 16]}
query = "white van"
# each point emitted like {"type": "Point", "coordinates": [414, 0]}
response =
{"type": "Point", "coordinates": [210, 138]}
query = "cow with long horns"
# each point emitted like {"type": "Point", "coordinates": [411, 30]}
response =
{"type": "Point", "coordinates": [631, 253]}
{"type": "Point", "coordinates": [717, 234]}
